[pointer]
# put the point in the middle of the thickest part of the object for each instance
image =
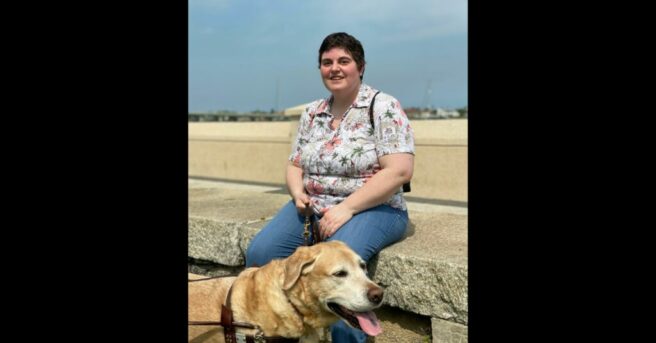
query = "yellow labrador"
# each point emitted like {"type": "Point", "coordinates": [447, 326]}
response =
{"type": "Point", "coordinates": [293, 297]}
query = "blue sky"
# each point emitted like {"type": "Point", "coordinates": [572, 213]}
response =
{"type": "Point", "coordinates": [241, 51]}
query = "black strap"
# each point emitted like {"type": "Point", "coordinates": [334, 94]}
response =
{"type": "Point", "coordinates": [316, 236]}
{"type": "Point", "coordinates": [371, 110]}
{"type": "Point", "coordinates": [406, 186]}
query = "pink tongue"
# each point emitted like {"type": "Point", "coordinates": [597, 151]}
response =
{"type": "Point", "coordinates": [369, 323]}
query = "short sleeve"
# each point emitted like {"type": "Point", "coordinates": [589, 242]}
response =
{"type": "Point", "coordinates": [392, 127]}
{"type": "Point", "coordinates": [302, 136]}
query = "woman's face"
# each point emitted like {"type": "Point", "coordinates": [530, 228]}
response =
{"type": "Point", "coordinates": [339, 72]}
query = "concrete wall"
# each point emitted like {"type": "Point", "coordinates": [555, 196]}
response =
{"type": "Point", "coordinates": [258, 151]}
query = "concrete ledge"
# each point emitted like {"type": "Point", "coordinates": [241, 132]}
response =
{"type": "Point", "coordinates": [217, 150]}
{"type": "Point", "coordinates": [425, 273]}
{"type": "Point", "coordinates": [222, 221]}
{"type": "Point", "coordinates": [448, 332]}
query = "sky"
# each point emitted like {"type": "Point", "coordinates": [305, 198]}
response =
{"type": "Point", "coordinates": [247, 55]}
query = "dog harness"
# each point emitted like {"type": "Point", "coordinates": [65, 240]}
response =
{"type": "Point", "coordinates": [229, 331]}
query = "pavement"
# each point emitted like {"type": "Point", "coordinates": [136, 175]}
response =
{"type": "Point", "coordinates": [428, 205]}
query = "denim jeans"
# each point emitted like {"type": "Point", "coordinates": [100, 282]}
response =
{"type": "Point", "coordinates": [367, 233]}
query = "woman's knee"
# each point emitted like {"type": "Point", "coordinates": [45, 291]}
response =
{"type": "Point", "coordinates": [264, 246]}
{"type": "Point", "coordinates": [340, 332]}
{"type": "Point", "coordinates": [371, 231]}
{"type": "Point", "coordinates": [256, 253]}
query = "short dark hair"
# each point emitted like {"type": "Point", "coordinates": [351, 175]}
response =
{"type": "Point", "coordinates": [347, 42]}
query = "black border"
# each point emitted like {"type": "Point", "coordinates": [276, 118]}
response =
{"type": "Point", "coordinates": [106, 174]}
{"type": "Point", "coordinates": [533, 175]}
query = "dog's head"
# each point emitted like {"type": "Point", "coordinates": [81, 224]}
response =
{"type": "Point", "coordinates": [336, 277]}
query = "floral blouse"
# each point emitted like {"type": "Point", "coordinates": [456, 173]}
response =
{"type": "Point", "coordinates": [336, 163]}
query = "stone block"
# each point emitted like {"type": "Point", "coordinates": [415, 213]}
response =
{"type": "Point", "coordinates": [445, 331]}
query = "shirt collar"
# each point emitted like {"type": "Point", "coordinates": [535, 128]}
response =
{"type": "Point", "coordinates": [363, 99]}
{"type": "Point", "coordinates": [364, 96]}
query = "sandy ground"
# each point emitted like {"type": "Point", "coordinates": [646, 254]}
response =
{"type": "Point", "coordinates": [400, 327]}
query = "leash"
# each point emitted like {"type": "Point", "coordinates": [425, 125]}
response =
{"type": "Point", "coordinates": [316, 238]}
{"type": "Point", "coordinates": [306, 231]}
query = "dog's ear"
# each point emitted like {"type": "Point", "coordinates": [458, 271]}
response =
{"type": "Point", "coordinates": [300, 262]}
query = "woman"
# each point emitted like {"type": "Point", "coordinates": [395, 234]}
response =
{"type": "Point", "coordinates": [344, 172]}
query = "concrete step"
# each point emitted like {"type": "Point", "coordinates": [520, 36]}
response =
{"type": "Point", "coordinates": [424, 274]}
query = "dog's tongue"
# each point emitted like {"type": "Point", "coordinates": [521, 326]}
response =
{"type": "Point", "coordinates": [369, 323]}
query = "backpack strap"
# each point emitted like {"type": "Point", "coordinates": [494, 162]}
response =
{"type": "Point", "coordinates": [406, 186]}
{"type": "Point", "coordinates": [371, 111]}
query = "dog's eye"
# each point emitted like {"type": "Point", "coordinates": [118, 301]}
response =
{"type": "Point", "coordinates": [363, 266]}
{"type": "Point", "coordinates": [341, 273]}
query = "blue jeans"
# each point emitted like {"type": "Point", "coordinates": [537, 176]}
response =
{"type": "Point", "coordinates": [367, 233]}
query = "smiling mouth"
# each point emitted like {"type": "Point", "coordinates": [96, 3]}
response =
{"type": "Point", "coordinates": [364, 321]}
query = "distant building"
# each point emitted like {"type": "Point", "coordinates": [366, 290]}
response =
{"type": "Point", "coordinates": [294, 113]}
{"type": "Point", "coordinates": [234, 116]}
{"type": "Point", "coordinates": [441, 113]}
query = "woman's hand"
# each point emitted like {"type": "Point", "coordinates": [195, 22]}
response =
{"type": "Point", "coordinates": [297, 190]}
{"type": "Point", "coordinates": [302, 202]}
{"type": "Point", "coordinates": [396, 169]}
{"type": "Point", "coordinates": [333, 219]}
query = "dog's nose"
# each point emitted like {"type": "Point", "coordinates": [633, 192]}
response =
{"type": "Point", "coordinates": [375, 295]}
